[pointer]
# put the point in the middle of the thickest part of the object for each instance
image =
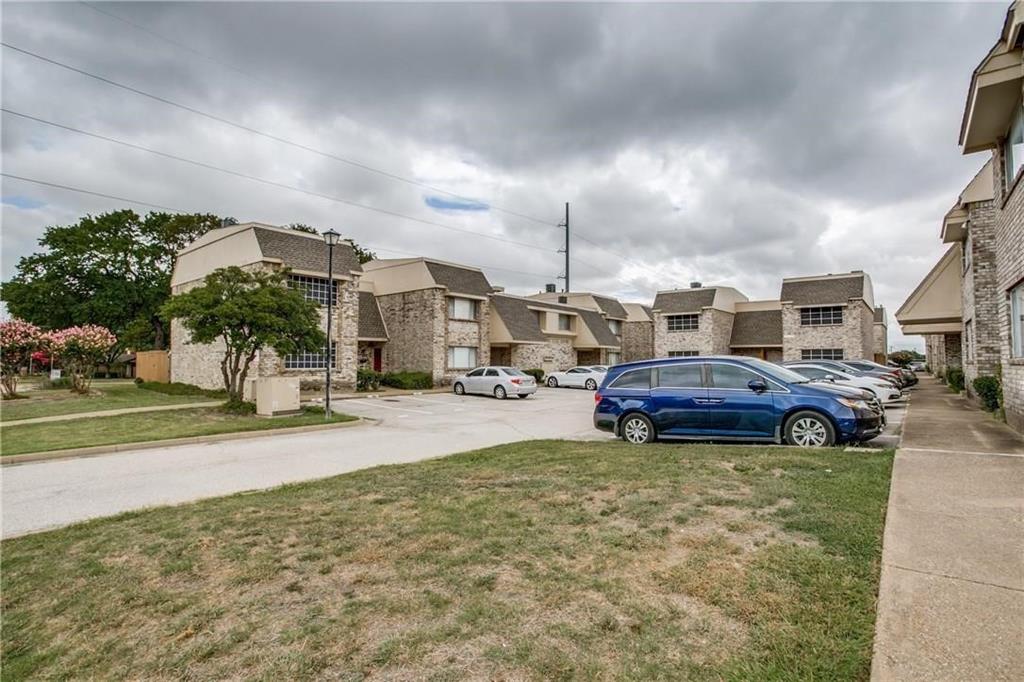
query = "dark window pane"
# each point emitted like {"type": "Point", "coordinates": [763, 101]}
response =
{"type": "Point", "coordinates": [731, 376]}
{"type": "Point", "coordinates": [680, 376]}
{"type": "Point", "coordinates": [638, 378]}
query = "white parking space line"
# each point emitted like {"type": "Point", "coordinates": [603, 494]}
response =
{"type": "Point", "coordinates": [373, 404]}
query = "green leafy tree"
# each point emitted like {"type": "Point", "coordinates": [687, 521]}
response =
{"type": "Point", "coordinates": [247, 311]}
{"type": "Point", "coordinates": [903, 358]}
{"type": "Point", "coordinates": [112, 270]}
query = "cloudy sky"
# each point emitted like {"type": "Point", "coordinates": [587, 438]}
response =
{"type": "Point", "coordinates": [731, 144]}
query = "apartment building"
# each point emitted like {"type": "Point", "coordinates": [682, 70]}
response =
{"type": "Point", "coordinates": [437, 315]}
{"type": "Point", "coordinates": [828, 317]}
{"type": "Point", "coordinates": [255, 246]}
{"type": "Point", "coordinates": [528, 332]}
{"type": "Point", "coordinates": [694, 321]}
{"type": "Point", "coordinates": [984, 331]}
{"type": "Point", "coordinates": [613, 312]}
{"type": "Point", "coordinates": [637, 333]}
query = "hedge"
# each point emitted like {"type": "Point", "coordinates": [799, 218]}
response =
{"type": "Point", "coordinates": [990, 392]}
{"type": "Point", "coordinates": [407, 380]}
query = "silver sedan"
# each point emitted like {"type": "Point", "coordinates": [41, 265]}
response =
{"type": "Point", "coordinates": [500, 382]}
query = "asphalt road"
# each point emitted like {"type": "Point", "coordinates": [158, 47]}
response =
{"type": "Point", "coordinates": [41, 495]}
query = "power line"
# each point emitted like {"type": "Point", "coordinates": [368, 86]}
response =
{"type": "Point", "coordinates": [272, 183]}
{"type": "Point", "coordinates": [270, 136]}
{"type": "Point", "coordinates": [80, 190]}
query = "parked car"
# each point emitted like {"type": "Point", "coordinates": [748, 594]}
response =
{"type": "Point", "coordinates": [731, 398]}
{"type": "Point", "coordinates": [884, 390]}
{"type": "Point", "coordinates": [894, 378]}
{"type": "Point", "coordinates": [918, 366]}
{"type": "Point", "coordinates": [500, 382]}
{"type": "Point", "coordinates": [908, 376]}
{"type": "Point", "coordinates": [588, 377]}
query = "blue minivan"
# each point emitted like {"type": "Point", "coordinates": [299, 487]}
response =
{"type": "Point", "coordinates": [730, 398]}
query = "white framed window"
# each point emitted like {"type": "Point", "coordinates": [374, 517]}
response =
{"type": "Point", "coordinates": [1013, 148]}
{"type": "Point", "coordinates": [461, 357]}
{"type": "Point", "coordinates": [683, 353]}
{"type": "Point", "coordinates": [310, 360]}
{"type": "Point", "coordinates": [1017, 321]}
{"type": "Point", "coordinates": [820, 316]}
{"type": "Point", "coordinates": [313, 288]}
{"type": "Point", "coordinates": [615, 326]}
{"type": "Point", "coordinates": [613, 358]}
{"type": "Point", "coordinates": [683, 323]}
{"type": "Point", "coordinates": [461, 308]}
{"type": "Point", "coordinates": [821, 354]}
{"type": "Point", "coordinates": [564, 323]}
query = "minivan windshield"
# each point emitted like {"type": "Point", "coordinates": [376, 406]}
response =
{"type": "Point", "coordinates": [777, 371]}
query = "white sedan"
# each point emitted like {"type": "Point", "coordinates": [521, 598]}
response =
{"type": "Point", "coordinates": [883, 390]}
{"type": "Point", "coordinates": [578, 377]}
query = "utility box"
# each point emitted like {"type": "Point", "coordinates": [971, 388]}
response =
{"type": "Point", "coordinates": [277, 395]}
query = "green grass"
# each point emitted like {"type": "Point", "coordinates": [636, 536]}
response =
{"type": "Point", "coordinates": [21, 439]}
{"type": "Point", "coordinates": [105, 396]}
{"type": "Point", "coordinates": [543, 560]}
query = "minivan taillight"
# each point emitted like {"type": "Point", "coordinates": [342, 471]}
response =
{"type": "Point", "coordinates": [597, 398]}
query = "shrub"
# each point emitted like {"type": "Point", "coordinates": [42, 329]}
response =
{"type": "Point", "coordinates": [48, 383]}
{"type": "Point", "coordinates": [367, 380]}
{"type": "Point", "coordinates": [18, 341]}
{"type": "Point", "coordinates": [955, 379]}
{"type": "Point", "coordinates": [241, 407]}
{"type": "Point", "coordinates": [407, 380]}
{"type": "Point", "coordinates": [177, 388]}
{"type": "Point", "coordinates": [536, 373]}
{"type": "Point", "coordinates": [990, 391]}
{"type": "Point", "coordinates": [139, 381]}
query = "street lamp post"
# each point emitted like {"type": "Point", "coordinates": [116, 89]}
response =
{"type": "Point", "coordinates": [330, 238]}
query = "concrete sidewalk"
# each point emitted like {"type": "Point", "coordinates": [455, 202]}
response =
{"type": "Point", "coordinates": [951, 599]}
{"type": "Point", "coordinates": [109, 413]}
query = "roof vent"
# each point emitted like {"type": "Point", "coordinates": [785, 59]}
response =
{"type": "Point", "coordinates": [563, 299]}
{"type": "Point", "coordinates": [695, 285]}
{"type": "Point", "coordinates": [550, 288]}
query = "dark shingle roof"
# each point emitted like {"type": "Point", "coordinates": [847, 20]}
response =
{"type": "Point", "coordinates": [757, 328]}
{"type": "Point", "coordinates": [459, 280]}
{"type": "Point", "coordinates": [823, 291]}
{"type": "Point", "coordinates": [371, 324]}
{"type": "Point", "coordinates": [611, 307]}
{"type": "Point", "coordinates": [598, 327]}
{"type": "Point", "coordinates": [879, 314]}
{"type": "Point", "coordinates": [684, 300]}
{"type": "Point", "coordinates": [303, 253]}
{"type": "Point", "coordinates": [518, 318]}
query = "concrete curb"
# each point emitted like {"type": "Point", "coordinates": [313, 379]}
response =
{"type": "Point", "coordinates": [96, 450]}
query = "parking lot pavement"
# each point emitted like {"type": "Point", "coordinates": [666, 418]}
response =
{"type": "Point", "coordinates": [41, 495]}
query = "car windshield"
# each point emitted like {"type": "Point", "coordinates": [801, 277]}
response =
{"type": "Point", "coordinates": [513, 372]}
{"type": "Point", "coordinates": [777, 371]}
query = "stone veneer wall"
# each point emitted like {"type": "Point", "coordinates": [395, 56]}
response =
{"type": "Point", "coordinates": [710, 338]}
{"type": "Point", "coordinates": [935, 353]}
{"type": "Point", "coordinates": [415, 321]}
{"type": "Point", "coordinates": [1009, 231]}
{"type": "Point", "coordinates": [558, 350]}
{"type": "Point", "coordinates": [199, 364]}
{"type": "Point", "coordinates": [980, 296]}
{"type": "Point", "coordinates": [466, 333]}
{"type": "Point", "coordinates": [880, 342]}
{"type": "Point", "coordinates": [855, 335]}
{"type": "Point", "coordinates": [637, 341]}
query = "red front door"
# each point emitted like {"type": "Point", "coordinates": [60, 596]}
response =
{"type": "Point", "coordinates": [377, 359]}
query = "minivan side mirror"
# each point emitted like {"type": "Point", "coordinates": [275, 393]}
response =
{"type": "Point", "coordinates": [757, 385]}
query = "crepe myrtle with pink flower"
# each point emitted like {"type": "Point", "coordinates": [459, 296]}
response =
{"type": "Point", "coordinates": [18, 340]}
{"type": "Point", "coordinates": [80, 350]}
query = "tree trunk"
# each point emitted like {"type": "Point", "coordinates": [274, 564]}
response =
{"type": "Point", "coordinates": [159, 334]}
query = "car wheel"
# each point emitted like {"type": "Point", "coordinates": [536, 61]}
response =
{"type": "Point", "coordinates": [591, 385]}
{"type": "Point", "coordinates": [637, 429]}
{"type": "Point", "coordinates": [810, 430]}
{"type": "Point", "coordinates": [499, 392]}
{"type": "Point", "coordinates": [552, 382]}
{"type": "Point", "coordinates": [459, 389]}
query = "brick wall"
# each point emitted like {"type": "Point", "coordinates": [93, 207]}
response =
{"type": "Point", "coordinates": [1009, 238]}
{"type": "Point", "coordinates": [880, 342]}
{"type": "Point", "coordinates": [710, 338]}
{"type": "Point", "coordinates": [416, 331]}
{"type": "Point", "coordinates": [637, 341]}
{"type": "Point", "coordinates": [855, 335]}
{"type": "Point", "coordinates": [557, 352]}
{"type": "Point", "coordinates": [466, 333]}
{"type": "Point", "coordinates": [980, 296]}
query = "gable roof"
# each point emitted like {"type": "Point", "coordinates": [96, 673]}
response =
{"type": "Point", "coordinates": [305, 252]}
{"type": "Point", "coordinates": [371, 324]}
{"type": "Point", "coordinates": [757, 328]}
{"type": "Point", "coordinates": [610, 307]}
{"type": "Point", "coordinates": [822, 290]}
{"type": "Point", "coordinates": [684, 300]}
{"type": "Point", "coordinates": [459, 280]}
{"type": "Point", "coordinates": [518, 318]}
{"type": "Point", "coordinates": [599, 328]}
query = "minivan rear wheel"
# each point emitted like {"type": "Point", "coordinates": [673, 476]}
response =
{"type": "Point", "coordinates": [810, 430]}
{"type": "Point", "coordinates": [637, 429]}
